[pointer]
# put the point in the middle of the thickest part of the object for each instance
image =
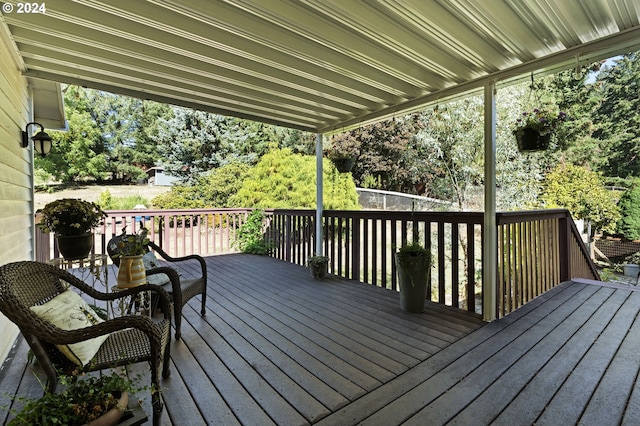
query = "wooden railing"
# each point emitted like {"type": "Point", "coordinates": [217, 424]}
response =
{"type": "Point", "coordinates": [536, 250]}
{"type": "Point", "coordinates": [361, 246]}
{"type": "Point", "coordinates": [178, 232]}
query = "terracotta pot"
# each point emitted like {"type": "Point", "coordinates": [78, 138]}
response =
{"type": "Point", "coordinates": [112, 417]}
{"type": "Point", "coordinates": [131, 272]}
{"type": "Point", "coordinates": [74, 247]}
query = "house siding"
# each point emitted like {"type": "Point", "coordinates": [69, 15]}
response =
{"type": "Point", "coordinates": [16, 187]}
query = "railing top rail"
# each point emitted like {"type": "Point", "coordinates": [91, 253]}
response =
{"type": "Point", "coordinates": [518, 216]}
{"type": "Point", "coordinates": [462, 217]}
{"type": "Point", "coordinates": [149, 212]}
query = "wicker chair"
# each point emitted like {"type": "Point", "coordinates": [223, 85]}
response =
{"type": "Point", "coordinates": [132, 338]}
{"type": "Point", "coordinates": [180, 290]}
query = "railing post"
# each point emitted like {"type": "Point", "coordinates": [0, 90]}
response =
{"type": "Point", "coordinates": [319, 200]}
{"type": "Point", "coordinates": [563, 245]}
{"type": "Point", "coordinates": [490, 231]}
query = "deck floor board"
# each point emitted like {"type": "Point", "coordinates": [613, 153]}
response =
{"type": "Point", "coordinates": [278, 347]}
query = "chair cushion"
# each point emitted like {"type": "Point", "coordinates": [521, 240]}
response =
{"type": "Point", "coordinates": [151, 261]}
{"type": "Point", "coordinates": [69, 311]}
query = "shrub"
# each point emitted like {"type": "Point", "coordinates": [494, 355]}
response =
{"type": "Point", "coordinates": [580, 191]}
{"type": "Point", "coordinates": [283, 180]}
{"type": "Point", "coordinates": [250, 237]}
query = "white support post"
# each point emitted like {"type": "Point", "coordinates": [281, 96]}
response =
{"type": "Point", "coordinates": [319, 186]}
{"type": "Point", "coordinates": [490, 235]}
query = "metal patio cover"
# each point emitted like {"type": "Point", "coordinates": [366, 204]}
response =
{"type": "Point", "coordinates": [316, 65]}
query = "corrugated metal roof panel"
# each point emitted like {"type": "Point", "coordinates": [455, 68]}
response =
{"type": "Point", "coordinates": [315, 65]}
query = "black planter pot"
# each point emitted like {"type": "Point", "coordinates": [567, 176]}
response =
{"type": "Point", "coordinates": [530, 140]}
{"type": "Point", "coordinates": [319, 269]}
{"type": "Point", "coordinates": [414, 271]}
{"type": "Point", "coordinates": [74, 247]}
{"type": "Point", "coordinates": [344, 165]}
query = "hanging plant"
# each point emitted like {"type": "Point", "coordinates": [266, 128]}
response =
{"type": "Point", "coordinates": [533, 129]}
{"type": "Point", "coordinates": [343, 152]}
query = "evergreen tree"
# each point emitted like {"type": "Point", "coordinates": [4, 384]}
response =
{"type": "Point", "coordinates": [284, 180]}
{"type": "Point", "coordinates": [617, 118]}
{"type": "Point", "coordinates": [192, 143]}
{"type": "Point", "coordinates": [629, 205]}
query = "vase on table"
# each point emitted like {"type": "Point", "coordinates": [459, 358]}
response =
{"type": "Point", "coordinates": [73, 247]}
{"type": "Point", "coordinates": [131, 272]}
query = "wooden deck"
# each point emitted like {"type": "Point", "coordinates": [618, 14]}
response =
{"type": "Point", "coordinates": [277, 347]}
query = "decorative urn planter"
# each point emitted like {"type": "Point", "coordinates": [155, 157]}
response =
{"type": "Point", "coordinates": [131, 272]}
{"type": "Point", "coordinates": [530, 140]}
{"type": "Point", "coordinates": [73, 247]}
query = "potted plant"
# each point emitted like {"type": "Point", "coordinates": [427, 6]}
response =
{"type": "Point", "coordinates": [533, 129]}
{"type": "Point", "coordinates": [414, 274]}
{"type": "Point", "coordinates": [131, 248]}
{"type": "Point", "coordinates": [318, 265]}
{"type": "Point", "coordinates": [631, 266]}
{"type": "Point", "coordinates": [72, 221]}
{"type": "Point", "coordinates": [81, 400]}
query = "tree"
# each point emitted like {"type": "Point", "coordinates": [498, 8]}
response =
{"type": "Point", "coordinates": [580, 191]}
{"type": "Point", "coordinates": [108, 136]}
{"type": "Point", "coordinates": [387, 154]}
{"type": "Point", "coordinates": [617, 118]}
{"type": "Point", "coordinates": [629, 205]}
{"type": "Point", "coordinates": [285, 180]}
{"type": "Point", "coordinates": [192, 144]}
{"type": "Point", "coordinates": [76, 153]}
{"type": "Point", "coordinates": [452, 144]}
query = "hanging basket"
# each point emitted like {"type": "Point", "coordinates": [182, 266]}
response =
{"type": "Point", "coordinates": [73, 247]}
{"type": "Point", "coordinates": [344, 165]}
{"type": "Point", "coordinates": [530, 140]}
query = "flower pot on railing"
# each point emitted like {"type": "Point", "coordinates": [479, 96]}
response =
{"type": "Point", "coordinates": [73, 247]}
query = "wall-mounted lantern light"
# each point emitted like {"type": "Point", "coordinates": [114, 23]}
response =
{"type": "Point", "coordinates": [41, 140]}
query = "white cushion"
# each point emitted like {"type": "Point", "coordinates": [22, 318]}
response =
{"type": "Point", "coordinates": [69, 311]}
{"type": "Point", "coordinates": [151, 261]}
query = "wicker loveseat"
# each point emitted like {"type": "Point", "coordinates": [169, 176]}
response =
{"type": "Point", "coordinates": [131, 338]}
